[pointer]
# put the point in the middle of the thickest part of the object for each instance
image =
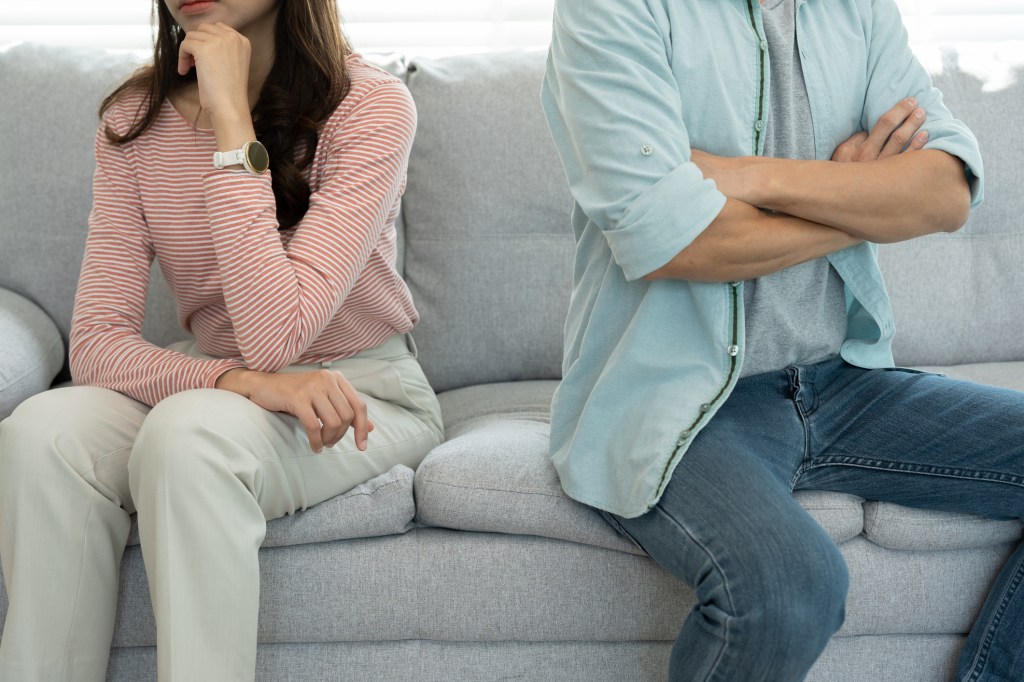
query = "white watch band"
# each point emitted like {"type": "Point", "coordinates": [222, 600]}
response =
{"type": "Point", "coordinates": [235, 157]}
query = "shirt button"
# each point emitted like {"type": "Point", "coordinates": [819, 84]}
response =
{"type": "Point", "coordinates": [705, 407]}
{"type": "Point", "coordinates": [734, 350]}
{"type": "Point", "coordinates": [764, 45]}
{"type": "Point", "coordinates": [734, 284]}
{"type": "Point", "coordinates": [684, 435]}
{"type": "Point", "coordinates": [647, 150]}
{"type": "Point", "coordinates": [759, 126]}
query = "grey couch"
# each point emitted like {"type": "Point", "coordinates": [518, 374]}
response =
{"type": "Point", "coordinates": [478, 567]}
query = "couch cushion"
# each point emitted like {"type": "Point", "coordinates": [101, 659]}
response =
{"type": "Point", "coordinates": [33, 351]}
{"type": "Point", "coordinates": [895, 527]}
{"type": "Point", "coordinates": [51, 96]}
{"type": "Point", "coordinates": [493, 473]}
{"type": "Point", "coordinates": [381, 506]}
{"type": "Point", "coordinates": [488, 243]}
{"type": "Point", "coordinates": [1004, 374]}
{"type": "Point", "coordinates": [448, 585]}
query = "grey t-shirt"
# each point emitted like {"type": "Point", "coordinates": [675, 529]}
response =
{"type": "Point", "coordinates": [797, 315]}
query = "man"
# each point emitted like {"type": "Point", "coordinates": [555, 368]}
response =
{"type": "Point", "coordinates": [729, 335]}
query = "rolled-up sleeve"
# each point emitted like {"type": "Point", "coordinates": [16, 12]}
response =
{"type": "Point", "coordinates": [615, 113]}
{"type": "Point", "coordinates": [894, 73]}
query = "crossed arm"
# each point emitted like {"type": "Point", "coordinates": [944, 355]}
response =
{"type": "Point", "coordinates": [879, 186]}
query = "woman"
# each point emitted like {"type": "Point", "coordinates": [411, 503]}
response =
{"type": "Point", "coordinates": [285, 277]}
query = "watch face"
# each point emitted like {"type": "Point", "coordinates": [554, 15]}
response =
{"type": "Point", "coordinates": [257, 156]}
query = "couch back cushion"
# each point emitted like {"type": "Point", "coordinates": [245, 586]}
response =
{"type": "Point", "coordinates": [51, 96]}
{"type": "Point", "coordinates": [488, 242]}
{"type": "Point", "coordinates": [957, 297]}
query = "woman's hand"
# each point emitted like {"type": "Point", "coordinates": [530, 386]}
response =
{"type": "Point", "coordinates": [322, 400]}
{"type": "Point", "coordinates": [895, 132]}
{"type": "Point", "coordinates": [221, 57]}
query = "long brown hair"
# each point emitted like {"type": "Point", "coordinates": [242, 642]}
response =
{"type": "Point", "coordinates": [305, 85]}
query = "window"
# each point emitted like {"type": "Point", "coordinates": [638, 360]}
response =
{"type": "Point", "coordinates": [451, 26]}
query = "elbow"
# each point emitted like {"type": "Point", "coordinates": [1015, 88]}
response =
{"type": "Point", "coordinates": [951, 209]}
{"type": "Point", "coordinates": [960, 211]}
{"type": "Point", "coordinates": [953, 200]}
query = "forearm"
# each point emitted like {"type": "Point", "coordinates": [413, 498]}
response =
{"type": "Point", "coordinates": [744, 242]}
{"type": "Point", "coordinates": [889, 200]}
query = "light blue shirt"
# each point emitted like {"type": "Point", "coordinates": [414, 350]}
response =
{"type": "Point", "coordinates": [631, 86]}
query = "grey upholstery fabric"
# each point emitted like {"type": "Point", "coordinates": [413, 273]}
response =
{"type": "Point", "coordinates": [455, 586]}
{"type": "Point", "coordinates": [522, 399]}
{"type": "Point", "coordinates": [381, 506]}
{"type": "Point", "coordinates": [498, 478]}
{"type": "Point", "coordinates": [51, 97]}
{"type": "Point", "coordinates": [425, 661]}
{"type": "Point", "coordinates": [957, 296]}
{"type": "Point", "coordinates": [838, 513]}
{"type": "Point", "coordinates": [901, 658]}
{"type": "Point", "coordinates": [1005, 374]}
{"type": "Point", "coordinates": [488, 244]}
{"type": "Point", "coordinates": [888, 658]}
{"type": "Point", "coordinates": [33, 351]}
{"type": "Point", "coordinates": [895, 527]}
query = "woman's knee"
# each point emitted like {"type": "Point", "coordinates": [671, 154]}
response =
{"type": "Point", "coordinates": [75, 425]}
{"type": "Point", "coordinates": [187, 432]}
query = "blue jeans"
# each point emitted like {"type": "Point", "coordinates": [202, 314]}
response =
{"type": "Point", "coordinates": [771, 585]}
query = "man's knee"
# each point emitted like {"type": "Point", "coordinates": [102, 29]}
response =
{"type": "Point", "coordinates": [803, 598]}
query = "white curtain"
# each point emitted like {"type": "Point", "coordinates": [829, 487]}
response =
{"type": "Point", "coordinates": [438, 27]}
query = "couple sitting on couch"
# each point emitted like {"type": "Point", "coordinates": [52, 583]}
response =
{"type": "Point", "coordinates": [727, 305]}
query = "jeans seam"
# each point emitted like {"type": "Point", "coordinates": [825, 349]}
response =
{"type": "Point", "coordinates": [981, 658]}
{"type": "Point", "coordinates": [725, 584]}
{"type": "Point", "coordinates": [908, 467]}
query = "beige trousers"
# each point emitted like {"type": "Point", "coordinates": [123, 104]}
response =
{"type": "Point", "coordinates": [204, 469]}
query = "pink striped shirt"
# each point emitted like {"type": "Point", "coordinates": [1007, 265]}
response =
{"type": "Point", "coordinates": [250, 294]}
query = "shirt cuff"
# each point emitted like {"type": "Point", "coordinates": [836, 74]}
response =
{"type": "Point", "coordinates": [664, 220]}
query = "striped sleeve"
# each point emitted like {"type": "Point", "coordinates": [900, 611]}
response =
{"type": "Point", "coordinates": [107, 348]}
{"type": "Point", "coordinates": [279, 300]}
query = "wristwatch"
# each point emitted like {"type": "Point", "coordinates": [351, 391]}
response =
{"type": "Point", "coordinates": [253, 157]}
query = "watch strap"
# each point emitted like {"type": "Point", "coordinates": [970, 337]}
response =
{"type": "Point", "coordinates": [235, 157]}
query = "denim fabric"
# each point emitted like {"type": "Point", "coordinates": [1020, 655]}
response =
{"type": "Point", "coordinates": [771, 584]}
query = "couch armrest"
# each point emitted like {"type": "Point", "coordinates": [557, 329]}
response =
{"type": "Point", "coordinates": [32, 350]}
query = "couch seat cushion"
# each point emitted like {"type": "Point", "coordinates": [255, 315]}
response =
{"type": "Point", "coordinates": [381, 506]}
{"type": "Point", "coordinates": [493, 474]}
{"type": "Point", "coordinates": [895, 527]}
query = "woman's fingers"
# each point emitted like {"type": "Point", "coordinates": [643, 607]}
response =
{"type": "Point", "coordinates": [360, 421]}
{"type": "Point", "coordinates": [334, 419]}
{"type": "Point", "coordinates": [307, 417]}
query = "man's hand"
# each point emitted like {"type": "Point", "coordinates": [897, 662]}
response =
{"type": "Point", "coordinates": [322, 400]}
{"type": "Point", "coordinates": [744, 178]}
{"type": "Point", "coordinates": [895, 132]}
